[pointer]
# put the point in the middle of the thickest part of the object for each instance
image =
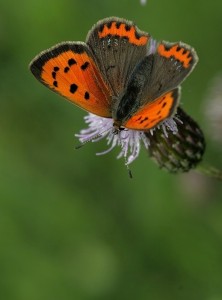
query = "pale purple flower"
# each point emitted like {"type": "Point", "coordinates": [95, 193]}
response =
{"type": "Point", "coordinates": [128, 140]}
{"type": "Point", "coordinates": [143, 2]}
{"type": "Point", "coordinates": [213, 108]}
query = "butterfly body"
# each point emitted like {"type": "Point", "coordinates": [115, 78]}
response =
{"type": "Point", "coordinates": [118, 74]}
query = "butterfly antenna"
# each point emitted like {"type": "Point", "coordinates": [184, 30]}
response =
{"type": "Point", "coordinates": [82, 144]}
{"type": "Point", "coordinates": [88, 140]}
{"type": "Point", "coordinates": [92, 138]}
{"type": "Point", "coordinates": [128, 169]}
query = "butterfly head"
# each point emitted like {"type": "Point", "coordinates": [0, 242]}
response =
{"type": "Point", "coordinates": [117, 127]}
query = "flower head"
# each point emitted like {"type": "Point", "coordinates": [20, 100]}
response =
{"type": "Point", "coordinates": [143, 2]}
{"type": "Point", "coordinates": [177, 144]}
{"type": "Point", "coordinates": [181, 151]}
{"type": "Point", "coordinates": [213, 107]}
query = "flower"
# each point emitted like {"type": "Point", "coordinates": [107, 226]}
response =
{"type": "Point", "coordinates": [178, 151]}
{"type": "Point", "coordinates": [213, 108]}
{"type": "Point", "coordinates": [143, 2]}
{"type": "Point", "coordinates": [176, 145]}
{"type": "Point", "coordinates": [128, 140]}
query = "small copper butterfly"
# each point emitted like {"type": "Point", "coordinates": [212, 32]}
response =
{"type": "Point", "coordinates": [115, 74]}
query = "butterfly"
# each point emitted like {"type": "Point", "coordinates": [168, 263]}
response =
{"type": "Point", "coordinates": [118, 73]}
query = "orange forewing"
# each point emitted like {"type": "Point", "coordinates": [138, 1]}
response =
{"type": "Point", "coordinates": [76, 77]}
{"type": "Point", "coordinates": [178, 51]}
{"type": "Point", "coordinates": [123, 30]}
{"type": "Point", "coordinates": [154, 112]}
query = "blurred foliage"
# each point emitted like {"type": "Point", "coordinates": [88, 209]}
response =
{"type": "Point", "coordinates": [73, 225]}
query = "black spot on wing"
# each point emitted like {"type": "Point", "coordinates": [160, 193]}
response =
{"type": "Point", "coordinates": [85, 65]}
{"type": "Point", "coordinates": [137, 35]}
{"type": "Point", "coordinates": [139, 118]}
{"type": "Point", "coordinates": [54, 75]}
{"type": "Point", "coordinates": [108, 25]}
{"type": "Point", "coordinates": [143, 120]}
{"type": "Point", "coordinates": [100, 29]}
{"type": "Point", "coordinates": [86, 96]}
{"type": "Point", "coordinates": [66, 69]}
{"type": "Point", "coordinates": [127, 27]}
{"type": "Point", "coordinates": [167, 47]}
{"type": "Point", "coordinates": [71, 62]}
{"type": "Point", "coordinates": [118, 25]}
{"type": "Point", "coordinates": [73, 88]}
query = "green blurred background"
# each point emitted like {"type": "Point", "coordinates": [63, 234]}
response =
{"type": "Point", "coordinates": [73, 225]}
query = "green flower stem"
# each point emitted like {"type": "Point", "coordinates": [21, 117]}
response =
{"type": "Point", "coordinates": [209, 171]}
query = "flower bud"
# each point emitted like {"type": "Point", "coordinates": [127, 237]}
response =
{"type": "Point", "coordinates": [180, 151]}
